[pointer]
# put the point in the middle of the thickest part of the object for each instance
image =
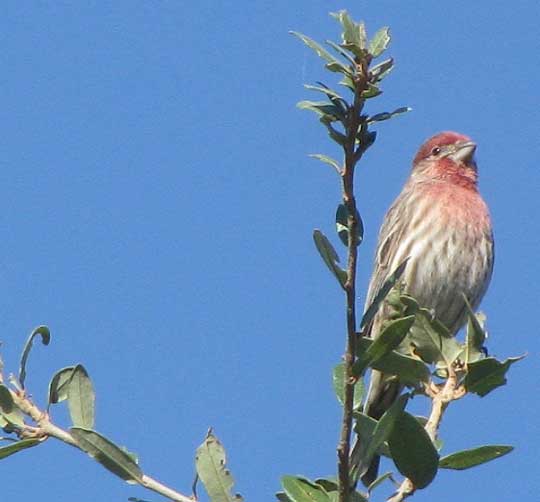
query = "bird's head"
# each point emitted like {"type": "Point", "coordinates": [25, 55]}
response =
{"type": "Point", "coordinates": [447, 156]}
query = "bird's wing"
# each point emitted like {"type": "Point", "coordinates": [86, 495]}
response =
{"type": "Point", "coordinates": [390, 234]}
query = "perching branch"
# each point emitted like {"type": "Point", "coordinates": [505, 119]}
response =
{"type": "Point", "coordinates": [441, 396]}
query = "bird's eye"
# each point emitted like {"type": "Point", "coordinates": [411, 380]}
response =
{"type": "Point", "coordinates": [436, 151]}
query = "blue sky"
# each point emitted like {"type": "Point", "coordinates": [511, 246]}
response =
{"type": "Point", "coordinates": [157, 204]}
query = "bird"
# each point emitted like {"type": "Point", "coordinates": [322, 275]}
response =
{"type": "Point", "coordinates": [441, 225]}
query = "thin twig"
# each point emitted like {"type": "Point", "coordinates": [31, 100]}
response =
{"type": "Point", "coordinates": [352, 156]}
{"type": "Point", "coordinates": [441, 396]}
{"type": "Point", "coordinates": [45, 428]}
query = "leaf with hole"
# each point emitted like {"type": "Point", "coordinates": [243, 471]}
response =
{"type": "Point", "coordinates": [211, 466]}
{"type": "Point", "coordinates": [108, 454]}
{"type": "Point", "coordinates": [45, 334]}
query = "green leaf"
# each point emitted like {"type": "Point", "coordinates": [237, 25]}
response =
{"type": "Point", "coordinates": [320, 51]}
{"type": "Point", "coordinates": [303, 490]}
{"type": "Point", "coordinates": [108, 454]}
{"type": "Point", "coordinates": [379, 117]}
{"type": "Point", "coordinates": [432, 340]}
{"type": "Point", "coordinates": [211, 465]}
{"type": "Point", "coordinates": [322, 108]}
{"type": "Point", "coordinates": [327, 160]}
{"type": "Point", "coordinates": [409, 370]}
{"type": "Point", "coordinates": [338, 379]}
{"type": "Point", "coordinates": [282, 497]}
{"type": "Point", "coordinates": [45, 338]}
{"type": "Point", "coordinates": [81, 398]}
{"type": "Point", "coordinates": [338, 137]}
{"type": "Point", "coordinates": [371, 91]}
{"type": "Point", "coordinates": [487, 374]}
{"type": "Point", "coordinates": [6, 400]}
{"type": "Point", "coordinates": [369, 446]}
{"type": "Point", "coordinates": [391, 336]}
{"type": "Point", "coordinates": [475, 456]}
{"type": "Point", "coordinates": [6, 451]}
{"type": "Point", "coordinates": [342, 215]}
{"type": "Point", "coordinates": [476, 336]}
{"type": "Point", "coordinates": [59, 385]}
{"type": "Point", "coordinates": [9, 412]}
{"type": "Point", "coordinates": [347, 81]}
{"type": "Point", "coordinates": [379, 480]}
{"type": "Point", "coordinates": [329, 256]}
{"type": "Point", "coordinates": [380, 41]}
{"type": "Point", "coordinates": [412, 450]}
{"type": "Point", "coordinates": [378, 72]}
{"type": "Point", "coordinates": [337, 67]}
{"type": "Point", "coordinates": [388, 284]}
{"type": "Point", "coordinates": [325, 90]}
{"type": "Point", "coordinates": [342, 52]}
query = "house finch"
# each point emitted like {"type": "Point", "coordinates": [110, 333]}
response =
{"type": "Point", "coordinates": [442, 224]}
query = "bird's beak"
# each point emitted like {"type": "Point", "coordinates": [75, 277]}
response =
{"type": "Point", "coordinates": [463, 152]}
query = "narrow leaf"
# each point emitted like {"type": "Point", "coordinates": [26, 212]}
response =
{"type": "Point", "coordinates": [303, 490]}
{"type": "Point", "coordinates": [59, 385]}
{"type": "Point", "coordinates": [320, 51]}
{"type": "Point", "coordinates": [322, 108]}
{"type": "Point", "coordinates": [342, 52]}
{"type": "Point", "coordinates": [412, 450]}
{"type": "Point", "coordinates": [325, 90]}
{"type": "Point", "coordinates": [327, 160]}
{"type": "Point", "coordinates": [475, 456]}
{"type": "Point", "coordinates": [81, 398]}
{"type": "Point", "coordinates": [45, 338]}
{"type": "Point", "coordinates": [365, 449]}
{"type": "Point", "coordinates": [485, 375]}
{"type": "Point", "coordinates": [338, 379]}
{"type": "Point", "coordinates": [410, 370]}
{"type": "Point", "coordinates": [389, 339]}
{"type": "Point", "coordinates": [6, 400]}
{"type": "Point", "coordinates": [329, 256]}
{"type": "Point", "coordinates": [379, 480]}
{"type": "Point", "coordinates": [380, 117]}
{"type": "Point", "coordinates": [211, 465]}
{"type": "Point", "coordinates": [342, 217]}
{"type": "Point", "coordinates": [390, 282]}
{"type": "Point", "coordinates": [282, 497]}
{"type": "Point", "coordinates": [380, 41]}
{"type": "Point", "coordinates": [371, 92]}
{"type": "Point", "coordinates": [108, 454]}
{"type": "Point", "coordinates": [378, 72]}
{"type": "Point", "coordinates": [6, 451]}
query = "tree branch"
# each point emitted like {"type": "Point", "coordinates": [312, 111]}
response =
{"type": "Point", "coordinates": [441, 396]}
{"type": "Point", "coordinates": [352, 156]}
{"type": "Point", "coordinates": [45, 428]}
